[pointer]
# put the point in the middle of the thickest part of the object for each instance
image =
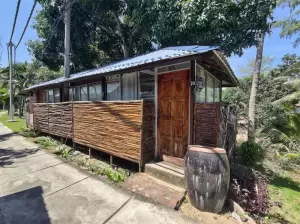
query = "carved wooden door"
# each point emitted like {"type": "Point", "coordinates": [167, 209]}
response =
{"type": "Point", "coordinates": [173, 113]}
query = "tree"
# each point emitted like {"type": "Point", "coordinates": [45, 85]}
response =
{"type": "Point", "coordinates": [266, 66]}
{"type": "Point", "coordinates": [290, 26]}
{"type": "Point", "coordinates": [109, 30]}
{"type": "Point", "coordinates": [254, 87]}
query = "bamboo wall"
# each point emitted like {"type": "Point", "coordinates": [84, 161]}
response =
{"type": "Point", "coordinates": [54, 118]}
{"type": "Point", "coordinates": [112, 127]}
{"type": "Point", "coordinates": [207, 124]}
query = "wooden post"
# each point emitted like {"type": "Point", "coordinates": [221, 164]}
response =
{"type": "Point", "coordinates": [74, 145]}
{"type": "Point", "coordinates": [111, 160]}
{"type": "Point", "coordinates": [90, 153]}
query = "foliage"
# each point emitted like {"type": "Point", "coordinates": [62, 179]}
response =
{"type": "Point", "coordinates": [28, 133]}
{"type": "Point", "coordinates": [104, 31]}
{"type": "Point", "coordinates": [250, 153]}
{"type": "Point", "coordinates": [248, 188]}
{"type": "Point", "coordinates": [266, 66]}
{"type": "Point", "coordinates": [17, 126]}
{"type": "Point", "coordinates": [46, 142]}
{"type": "Point", "coordinates": [290, 26]}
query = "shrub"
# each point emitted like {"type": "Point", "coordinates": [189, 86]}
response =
{"type": "Point", "coordinates": [250, 153]}
{"type": "Point", "coordinates": [46, 141]}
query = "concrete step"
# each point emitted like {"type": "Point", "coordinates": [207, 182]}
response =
{"type": "Point", "coordinates": [166, 172]}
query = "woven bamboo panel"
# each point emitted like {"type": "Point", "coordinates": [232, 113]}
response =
{"type": "Point", "coordinates": [112, 127]}
{"type": "Point", "coordinates": [148, 131]}
{"type": "Point", "coordinates": [60, 119]}
{"type": "Point", "coordinates": [54, 119]}
{"type": "Point", "coordinates": [207, 124]}
{"type": "Point", "coordinates": [40, 117]}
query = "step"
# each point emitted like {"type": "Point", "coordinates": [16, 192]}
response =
{"type": "Point", "coordinates": [166, 172]}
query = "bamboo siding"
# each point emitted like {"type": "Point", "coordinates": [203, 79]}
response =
{"type": "Point", "coordinates": [207, 124]}
{"type": "Point", "coordinates": [54, 119]}
{"type": "Point", "coordinates": [112, 127]}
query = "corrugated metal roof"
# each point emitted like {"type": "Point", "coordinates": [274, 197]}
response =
{"type": "Point", "coordinates": [162, 54]}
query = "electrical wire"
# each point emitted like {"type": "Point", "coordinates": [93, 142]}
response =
{"type": "Point", "coordinates": [15, 20]}
{"type": "Point", "coordinates": [55, 24]}
{"type": "Point", "coordinates": [27, 23]}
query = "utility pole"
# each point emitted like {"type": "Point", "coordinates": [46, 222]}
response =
{"type": "Point", "coordinates": [67, 48]}
{"type": "Point", "coordinates": [67, 38]}
{"type": "Point", "coordinates": [11, 95]}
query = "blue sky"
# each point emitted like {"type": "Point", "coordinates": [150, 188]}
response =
{"type": "Point", "coordinates": [274, 46]}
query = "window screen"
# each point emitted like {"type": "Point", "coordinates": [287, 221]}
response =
{"type": "Point", "coordinates": [83, 93]}
{"type": "Point", "coordinates": [129, 86]}
{"type": "Point", "coordinates": [50, 96]}
{"type": "Point", "coordinates": [147, 84]}
{"type": "Point", "coordinates": [113, 91]}
{"type": "Point", "coordinates": [56, 95]}
{"type": "Point", "coordinates": [217, 91]}
{"type": "Point", "coordinates": [200, 93]}
{"type": "Point", "coordinates": [210, 89]}
{"type": "Point", "coordinates": [95, 92]}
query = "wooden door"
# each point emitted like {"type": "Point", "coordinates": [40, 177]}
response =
{"type": "Point", "coordinates": [173, 113]}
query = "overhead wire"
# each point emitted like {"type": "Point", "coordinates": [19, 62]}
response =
{"type": "Point", "coordinates": [27, 23]}
{"type": "Point", "coordinates": [55, 24]}
{"type": "Point", "coordinates": [15, 20]}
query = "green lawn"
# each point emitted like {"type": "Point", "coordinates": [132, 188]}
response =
{"type": "Point", "coordinates": [285, 191]}
{"type": "Point", "coordinates": [16, 126]}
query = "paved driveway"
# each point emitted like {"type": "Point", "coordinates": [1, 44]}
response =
{"type": "Point", "coordinates": [38, 187]}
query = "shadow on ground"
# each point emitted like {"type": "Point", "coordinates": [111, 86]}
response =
{"type": "Point", "coordinates": [7, 136]}
{"type": "Point", "coordinates": [285, 182]}
{"type": "Point", "coordinates": [8, 155]}
{"type": "Point", "coordinates": [24, 207]}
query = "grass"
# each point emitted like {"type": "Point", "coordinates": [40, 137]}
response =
{"type": "Point", "coordinates": [16, 126]}
{"type": "Point", "coordinates": [284, 192]}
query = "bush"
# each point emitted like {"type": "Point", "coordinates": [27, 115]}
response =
{"type": "Point", "coordinates": [46, 141]}
{"type": "Point", "coordinates": [289, 160]}
{"type": "Point", "coordinates": [250, 153]}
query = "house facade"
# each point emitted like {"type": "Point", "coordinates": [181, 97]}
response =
{"type": "Point", "coordinates": [150, 107]}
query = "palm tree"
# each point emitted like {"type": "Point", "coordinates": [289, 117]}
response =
{"type": "Point", "coordinates": [21, 80]}
{"type": "Point", "coordinates": [252, 101]}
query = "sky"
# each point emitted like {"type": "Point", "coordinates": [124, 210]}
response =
{"type": "Point", "coordinates": [274, 46]}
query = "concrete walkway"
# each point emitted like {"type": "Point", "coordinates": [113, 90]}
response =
{"type": "Point", "coordinates": [38, 187]}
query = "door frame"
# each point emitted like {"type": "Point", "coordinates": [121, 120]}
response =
{"type": "Point", "coordinates": [191, 103]}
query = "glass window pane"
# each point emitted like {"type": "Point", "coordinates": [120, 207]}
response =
{"type": "Point", "coordinates": [210, 89]}
{"type": "Point", "coordinates": [200, 93]}
{"type": "Point", "coordinates": [56, 95]}
{"type": "Point", "coordinates": [95, 92]}
{"type": "Point", "coordinates": [147, 84]}
{"type": "Point", "coordinates": [46, 96]}
{"type": "Point", "coordinates": [113, 91]}
{"type": "Point", "coordinates": [129, 86]}
{"type": "Point", "coordinates": [50, 96]}
{"type": "Point", "coordinates": [83, 93]}
{"type": "Point", "coordinates": [217, 91]}
{"type": "Point", "coordinates": [70, 94]}
{"type": "Point", "coordinates": [77, 93]}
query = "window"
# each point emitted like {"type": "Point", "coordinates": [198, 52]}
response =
{"type": "Point", "coordinates": [200, 93]}
{"type": "Point", "coordinates": [180, 66]}
{"type": "Point", "coordinates": [70, 94]}
{"type": "Point", "coordinates": [56, 95]}
{"type": "Point", "coordinates": [210, 88]}
{"type": "Point", "coordinates": [217, 91]}
{"type": "Point", "coordinates": [113, 91]}
{"type": "Point", "coordinates": [95, 92]}
{"type": "Point", "coordinates": [129, 86]}
{"type": "Point", "coordinates": [147, 84]}
{"type": "Point", "coordinates": [46, 96]}
{"type": "Point", "coordinates": [83, 93]}
{"type": "Point", "coordinates": [50, 96]}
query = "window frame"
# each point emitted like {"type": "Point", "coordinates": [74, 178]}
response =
{"type": "Point", "coordinates": [94, 84]}
{"type": "Point", "coordinates": [215, 80]}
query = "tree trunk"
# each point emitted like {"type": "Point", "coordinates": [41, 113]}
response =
{"type": "Point", "coordinates": [252, 101]}
{"type": "Point", "coordinates": [126, 49]}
